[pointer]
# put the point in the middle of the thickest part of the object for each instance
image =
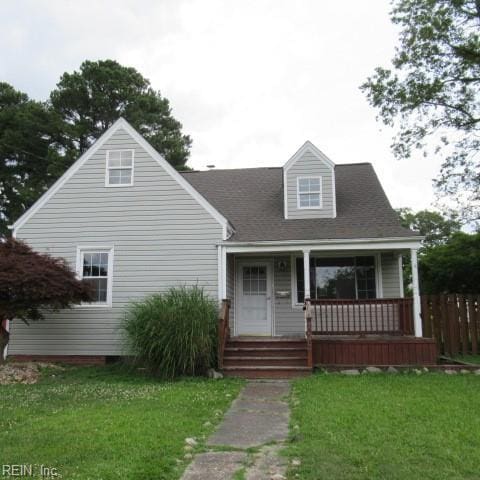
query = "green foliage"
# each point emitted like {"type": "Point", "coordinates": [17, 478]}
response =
{"type": "Point", "coordinates": [106, 423]}
{"type": "Point", "coordinates": [29, 161]}
{"type": "Point", "coordinates": [91, 99]}
{"type": "Point", "coordinates": [434, 226]}
{"type": "Point", "coordinates": [39, 141]}
{"type": "Point", "coordinates": [385, 426]}
{"type": "Point", "coordinates": [174, 333]}
{"type": "Point", "coordinates": [432, 93]}
{"type": "Point", "coordinates": [453, 267]}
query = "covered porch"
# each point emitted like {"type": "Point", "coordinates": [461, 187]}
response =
{"type": "Point", "coordinates": [344, 300]}
{"type": "Point", "coordinates": [354, 288]}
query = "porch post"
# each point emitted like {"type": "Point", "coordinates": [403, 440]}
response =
{"type": "Point", "coordinates": [306, 272]}
{"type": "Point", "coordinates": [222, 273]}
{"type": "Point", "coordinates": [417, 319]}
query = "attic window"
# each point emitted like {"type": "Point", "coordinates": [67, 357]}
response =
{"type": "Point", "coordinates": [119, 168]}
{"type": "Point", "coordinates": [309, 192]}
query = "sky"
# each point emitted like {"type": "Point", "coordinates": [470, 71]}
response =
{"type": "Point", "coordinates": [250, 81]}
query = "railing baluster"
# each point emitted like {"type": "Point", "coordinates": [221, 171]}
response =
{"type": "Point", "coordinates": [363, 316]}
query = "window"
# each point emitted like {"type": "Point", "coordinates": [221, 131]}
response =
{"type": "Point", "coordinates": [254, 280]}
{"type": "Point", "coordinates": [119, 168]}
{"type": "Point", "coordinates": [309, 192]}
{"type": "Point", "coordinates": [95, 267]}
{"type": "Point", "coordinates": [343, 277]}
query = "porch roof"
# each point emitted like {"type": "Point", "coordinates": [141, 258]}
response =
{"type": "Point", "coordinates": [252, 200]}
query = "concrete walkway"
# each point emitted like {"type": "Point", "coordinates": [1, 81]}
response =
{"type": "Point", "coordinates": [258, 419]}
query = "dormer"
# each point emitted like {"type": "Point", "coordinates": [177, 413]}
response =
{"type": "Point", "coordinates": [309, 185]}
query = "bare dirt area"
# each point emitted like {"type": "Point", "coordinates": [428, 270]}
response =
{"type": "Point", "coordinates": [26, 373]}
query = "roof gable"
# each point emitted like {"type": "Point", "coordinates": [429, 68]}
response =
{"type": "Point", "coordinates": [122, 124]}
{"type": "Point", "coordinates": [308, 146]}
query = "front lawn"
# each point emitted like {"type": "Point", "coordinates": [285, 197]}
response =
{"type": "Point", "coordinates": [384, 426]}
{"type": "Point", "coordinates": [103, 423]}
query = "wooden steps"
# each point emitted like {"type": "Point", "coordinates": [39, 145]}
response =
{"type": "Point", "coordinates": [261, 357]}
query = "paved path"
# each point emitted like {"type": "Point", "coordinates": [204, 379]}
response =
{"type": "Point", "coordinates": [259, 416]}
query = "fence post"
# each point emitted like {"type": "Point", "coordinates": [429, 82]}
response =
{"type": "Point", "coordinates": [472, 317]}
{"type": "Point", "coordinates": [426, 316]}
{"type": "Point", "coordinates": [462, 310]}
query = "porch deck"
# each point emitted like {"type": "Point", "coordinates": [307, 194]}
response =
{"type": "Point", "coordinates": [368, 338]}
{"type": "Point", "coordinates": [377, 350]}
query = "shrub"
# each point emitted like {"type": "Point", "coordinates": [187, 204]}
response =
{"type": "Point", "coordinates": [174, 333]}
{"type": "Point", "coordinates": [31, 282]}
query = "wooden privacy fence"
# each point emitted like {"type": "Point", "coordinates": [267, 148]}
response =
{"type": "Point", "coordinates": [454, 321]}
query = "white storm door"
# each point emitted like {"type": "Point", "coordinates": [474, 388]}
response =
{"type": "Point", "coordinates": [254, 315]}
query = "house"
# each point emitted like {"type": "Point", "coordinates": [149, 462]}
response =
{"type": "Point", "coordinates": [264, 238]}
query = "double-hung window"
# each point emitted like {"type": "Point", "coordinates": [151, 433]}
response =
{"type": "Point", "coordinates": [309, 192]}
{"type": "Point", "coordinates": [95, 267]}
{"type": "Point", "coordinates": [119, 168]}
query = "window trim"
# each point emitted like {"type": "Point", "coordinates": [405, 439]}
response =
{"type": "Point", "coordinates": [81, 249]}
{"type": "Point", "coordinates": [378, 269]}
{"type": "Point", "coordinates": [108, 168]}
{"type": "Point", "coordinates": [316, 177]}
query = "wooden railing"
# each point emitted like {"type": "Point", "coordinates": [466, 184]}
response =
{"type": "Point", "coordinates": [308, 331]}
{"type": "Point", "coordinates": [453, 320]}
{"type": "Point", "coordinates": [223, 330]}
{"type": "Point", "coordinates": [393, 316]}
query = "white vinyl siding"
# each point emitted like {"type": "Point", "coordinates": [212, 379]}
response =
{"type": "Point", "coordinates": [161, 235]}
{"type": "Point", "coordinates": [390, 275]}
{"type": "Point", "coordinates": [288, 320]}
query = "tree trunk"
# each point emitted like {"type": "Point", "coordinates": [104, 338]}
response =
{"type": "Point", "coordinates": [4, 338]}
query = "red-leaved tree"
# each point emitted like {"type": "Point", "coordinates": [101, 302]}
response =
{"type": "Point", "coordinates": [31, 282]}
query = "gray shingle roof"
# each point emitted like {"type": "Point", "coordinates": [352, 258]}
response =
{"type": "Point", "coordinates": [252, 200]}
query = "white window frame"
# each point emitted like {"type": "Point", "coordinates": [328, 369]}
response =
{"type": "Point", "coordinates": [81, 250]}
{"type": "Point", "coordinates": [108, 168]}
{"type": "Point", "coordinates": [293, 271]}
{"type": "Point", "coordinates": [320, 203]}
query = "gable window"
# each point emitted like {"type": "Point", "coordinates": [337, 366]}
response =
{"type": "Point", "coordinates": [95, 267]}
{"type": "Point", "coordinates": [119, 168]}
{"type": "Point", "coordinates": [309, 192]}
{"type": "Point", "coordinates": [342, 278]}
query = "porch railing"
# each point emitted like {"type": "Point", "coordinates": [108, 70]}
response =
{"type": "Point", "coordinates": [392, 316]}
{"type": "Point", "coordinates": [223, 330]}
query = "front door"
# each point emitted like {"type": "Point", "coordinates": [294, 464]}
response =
{"type": "Point", "coordinates": [253, 315]}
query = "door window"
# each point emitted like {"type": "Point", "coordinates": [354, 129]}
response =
{"type": "Point", "coordinates": [255, 280]}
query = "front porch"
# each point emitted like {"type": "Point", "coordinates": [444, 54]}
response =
{"type": "Point", "coordinates": [336, 305]}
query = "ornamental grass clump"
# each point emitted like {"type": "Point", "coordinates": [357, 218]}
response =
{"type": "Point", "coordinates": [173, 333]}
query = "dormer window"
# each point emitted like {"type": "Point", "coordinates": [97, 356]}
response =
{"type": "Point", "coordinates": [309, 192]}
{"type": "Point", "coordinates": [119, 168]}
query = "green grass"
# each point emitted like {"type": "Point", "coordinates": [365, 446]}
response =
{"type": "Point", "coordinates": [469, 359]}
{"type": "Point", "coordinates": [386, 427]}
{"type": "Point", "coordinates": [105, 423]}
